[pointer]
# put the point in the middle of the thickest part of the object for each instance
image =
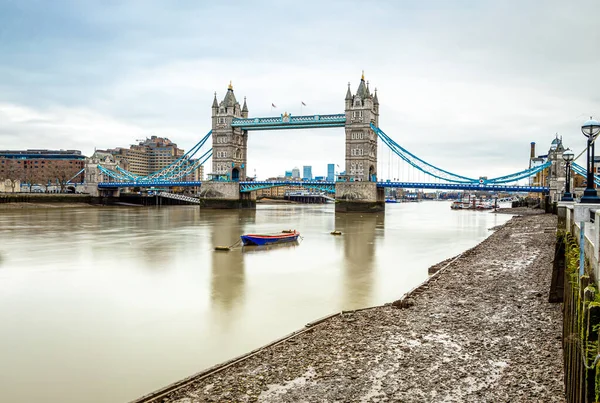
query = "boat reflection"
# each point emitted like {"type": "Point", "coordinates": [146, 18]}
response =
{"type": "Point", "coordinates": [273, 246]}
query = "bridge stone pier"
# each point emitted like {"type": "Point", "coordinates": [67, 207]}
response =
{"type": "Point", "coordinates": [225, 195]}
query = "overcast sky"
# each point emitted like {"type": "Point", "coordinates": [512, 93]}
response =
{"type": "Point", "coordinates": [465, 85]}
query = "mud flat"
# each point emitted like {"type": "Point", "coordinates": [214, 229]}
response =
{"type": "Point", "coordinates": [480, 330]}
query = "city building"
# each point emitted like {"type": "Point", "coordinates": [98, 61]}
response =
{"type": "Point", "coordinates": [307, 172]}
{"type": "Point", "coordinates": [277, 192]}
{"type": "Point", "coordinates": [42, 166]}
{"type": "Point", "coordinates": [330, 172]}
{"type": "Point", "coordinates": [295, 173]}
{"type": "Point", "coordinates": [288, 174]}
{"type": "Point", "coordinates": [148, 156]}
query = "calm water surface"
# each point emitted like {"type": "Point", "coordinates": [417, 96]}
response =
{"type": "Point", "coordinates": [107, 304]}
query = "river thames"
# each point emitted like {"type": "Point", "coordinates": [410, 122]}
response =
{"type": "Point", "coordinates": [107, 304]}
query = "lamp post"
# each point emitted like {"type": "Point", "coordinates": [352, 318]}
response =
{"type": "Point", "coordinates": [590, 129]}
{"type": "Point", "coordinates": [568, 156]}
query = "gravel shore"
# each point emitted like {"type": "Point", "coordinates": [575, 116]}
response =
{"type": "Point", "coordinates": [481, 330]}
{"type": "Point", "coordinates": [520, 211]}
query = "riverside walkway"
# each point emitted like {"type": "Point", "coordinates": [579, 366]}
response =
{"type": "Point", "coordinates": [481, 330]}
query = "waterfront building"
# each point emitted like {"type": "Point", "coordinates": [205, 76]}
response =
{"type": "Point", "coordinates": [307, 172]}
{"type": "Point", "coordinates": [295, 173]}
{"type": "Point", "coordinates": [41, 166]}
{"type": "Point", "coordinates": [149, 155]}
{"type": "Point", "coordinates": [330, 172]}
{"type": "Point", "coordinates": [288, 174]}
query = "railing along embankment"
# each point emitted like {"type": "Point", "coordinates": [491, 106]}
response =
{"type": "Point", "coordinates": [579, 274]}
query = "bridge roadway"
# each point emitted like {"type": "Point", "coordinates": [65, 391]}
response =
{"type": "Point", "coordinates": [329, 186]}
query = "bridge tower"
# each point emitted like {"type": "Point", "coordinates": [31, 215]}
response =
{"type": "Point", "coordinates": [358, 191]}
{"type": "Point", "coordinates": [229, 156]}
{"type": "Point", "coordinates": [362, 109]}
{"type": "Point", "coordinates": [229, 143]}
{"type": "Point", "coordinates": [557, 177]}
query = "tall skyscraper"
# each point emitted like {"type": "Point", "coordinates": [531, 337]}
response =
{"type": "Point", "coordinates": [295, 173]}
{"type": "Point", "coordinates": [307, 172]}
{"type": "Point", "coordinates": [330, 172]}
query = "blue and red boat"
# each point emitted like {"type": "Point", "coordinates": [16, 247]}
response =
{"type": "Point", "coordinates": [268, 239]}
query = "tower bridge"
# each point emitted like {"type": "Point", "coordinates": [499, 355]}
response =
{"type": "Point", "coordinates": [358, 190]}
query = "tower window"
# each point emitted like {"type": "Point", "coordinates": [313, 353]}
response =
{"type": "Point", "coordinates": [357, 114]}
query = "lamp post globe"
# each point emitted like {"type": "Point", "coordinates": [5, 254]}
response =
{"type": "Point", "coordinates": [590, 129]}
{"type": "Point", "coordinates": [568, 156]}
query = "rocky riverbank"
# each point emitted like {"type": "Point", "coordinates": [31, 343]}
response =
{"type": "Point", "coordinates": [481, 330]}
{"type": "Point", "coordinates": [520, 211]}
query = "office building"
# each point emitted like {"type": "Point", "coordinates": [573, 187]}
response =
{"type": "Point", "coordinates": [330, 172]}
{"type": "Point", "coordinates": [41, 166]}
{"type": "Point", "coordinates": [148, 156]}
{"type": "Point", "coordinates": [307, 172]}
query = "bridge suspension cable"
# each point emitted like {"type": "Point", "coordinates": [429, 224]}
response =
{"type": "Point", "coordinates": [426, 168]}
{"type": "Point", "coordinates": [180, 168]}
{"type": "Point", "coordinates": [418, 163]}
{"type": "Point", "coordinates": [578, 169]}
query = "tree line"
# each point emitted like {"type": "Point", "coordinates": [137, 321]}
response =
{"type": "Point", "coordinates": [51, 175]}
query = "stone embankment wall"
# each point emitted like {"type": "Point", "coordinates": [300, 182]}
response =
{"type": "Point", "coordinates": [581, 310]}
{"type": "Point", "coordinates": [40, 198]}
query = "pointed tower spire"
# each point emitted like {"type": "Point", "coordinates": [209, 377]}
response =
{"type": "Point", "coordinates": [215, 103]}
{"type": "Point", "coordinates": [245, 107]}
{"type": "Point", "coordinates": [348, 93]}
{"type": "Point", "coordinates": [230, 86]}
{"type": "Point", "coordinates": [368, 91]}
{"type": "Point", "coordinates": [375, 100]}
{"type": "Point", "coordinates": [362, 91]}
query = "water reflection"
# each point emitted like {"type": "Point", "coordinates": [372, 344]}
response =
{"type": "Point", "coordinates": [265, 248]}
{"type": "Point", "coordinates": [358, 236]}
{"type": "Point", "coordinates": [227, 279]}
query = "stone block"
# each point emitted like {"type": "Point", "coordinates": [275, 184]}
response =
{"type": "Point", "coordinates": [360, 197]}
{"type": "Point", "coordinates": [225, 195]}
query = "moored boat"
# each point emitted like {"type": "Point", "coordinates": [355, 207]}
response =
{"type": "Point", "coordinates": [267, 239]}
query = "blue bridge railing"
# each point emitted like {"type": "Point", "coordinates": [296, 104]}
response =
{"type": "Point", "coordinates": [291, 122]}
{"type": "Point", "coordinates": [464, 186]}
{"type": "Point", "coordinates": [329, 186]}
{"type": "Point", "coordinates": [251, 186]}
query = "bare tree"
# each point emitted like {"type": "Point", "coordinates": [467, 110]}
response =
{"type": "Point", "coordinates": [37, 177]}
{"type": "Point", "coordinates": [60, 174]}
{"type": "Point", "coordinates": [13, 174]}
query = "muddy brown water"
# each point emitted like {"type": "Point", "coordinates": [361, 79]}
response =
{"type": "Point", "coordinates": [107, 304]}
